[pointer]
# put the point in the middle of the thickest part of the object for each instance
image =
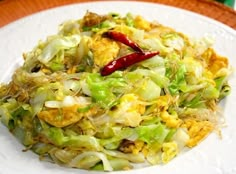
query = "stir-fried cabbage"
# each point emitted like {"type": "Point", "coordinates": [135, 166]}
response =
{"type": "Point", "coordinates": [60, 106]}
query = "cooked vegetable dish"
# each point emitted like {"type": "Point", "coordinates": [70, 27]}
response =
{"type": "Point", "coordinates": [108, 91]}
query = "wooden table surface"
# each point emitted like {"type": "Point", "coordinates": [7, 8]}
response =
{"type": "Point", "coordinates": [11, 10]}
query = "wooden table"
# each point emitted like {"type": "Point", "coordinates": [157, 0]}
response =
{"type": "Point", "coordinates": [11, 10]}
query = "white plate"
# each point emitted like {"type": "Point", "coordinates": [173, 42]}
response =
{"type": "Point", "coordinates": [212, 156]}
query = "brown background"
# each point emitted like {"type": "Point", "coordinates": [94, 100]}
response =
{"type": "Point", "coordinates": [11, 10]}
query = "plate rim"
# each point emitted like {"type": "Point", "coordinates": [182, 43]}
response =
{"type": "Point", "coordinates": [198, 15]}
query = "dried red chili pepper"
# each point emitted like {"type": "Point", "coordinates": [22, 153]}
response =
{"type": "Point", "coordinates": [117, 36]}
{"type": "Point", "coordinates": [126, 61]}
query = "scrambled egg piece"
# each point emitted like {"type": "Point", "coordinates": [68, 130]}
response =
{"type": "Point", "coordinates": [104, 50]}
{"type": "Point", "coordinates": [64, 116]}
{"type": "Point", "coordinates": [197, 131]}
{"type": "Point", "coordinates": [170, 150]}
{"type": "Point", "coordinates": [138, 146]}
{"type": "Point", "coordinates": [129, 111]}
{"type": "Point", "coordinates": [214, 61]}
{"type": "Point", "coordinates": [91, 19]}
{"type": "Point", "coordinates": [134, 147]}
{"type": "Point", "coordinates": [171, 120]}
{"type": "Point", "coordinates": [163, 102]}
{"type": "Point", "coordinates": [140, 22]}
{"type": "Point", "coordinates": [72, 70]}
{"type": "Point", "coordinates": [217, 63]}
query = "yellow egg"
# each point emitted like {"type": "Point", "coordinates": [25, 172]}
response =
{"type": "Point", "coordinates": [170, 150]}
{"type": "Point", "coordinates": [197, 131]}
{"type": "Point", "coordinates": [104, 50]}
{"type": "Point", "coordinates": [64, 116]}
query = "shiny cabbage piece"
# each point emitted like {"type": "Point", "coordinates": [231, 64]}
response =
{"type": "Point", "coordinates": [89, 159]}
{"type": "Point", "coordinates": [129, 110]}
{"type": "Point", "coordinates": [145, 86]}
{"type": "Point", "coordinates": [57, 137]}
{"type": "Point", "coordinates": [6, 110]}
{"type": "Point", "coordinates": [104, 90]}
{"type": "Point", "coordinates": [17, 117]}
{"type": "Point", "coordinates": [152, 133]}
{"type": "Point", "coordinates": [57, 43]}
